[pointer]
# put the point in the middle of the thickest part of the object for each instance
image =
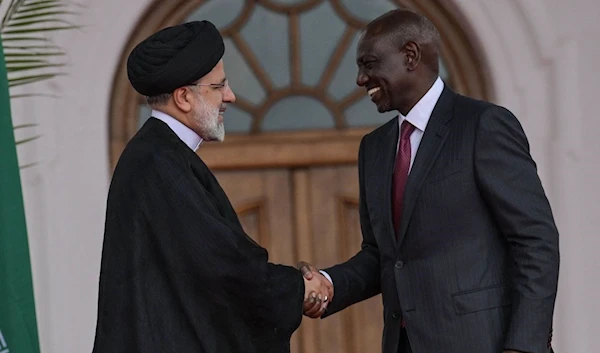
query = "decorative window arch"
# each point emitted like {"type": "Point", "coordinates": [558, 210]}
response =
{"type": "Point", "coordinates": [291, 65]}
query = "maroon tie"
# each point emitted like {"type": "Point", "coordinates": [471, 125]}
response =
{"type": "Point", "coordinates": [401, 169]}
{"type": "Point", "coordinates": [401, 172]}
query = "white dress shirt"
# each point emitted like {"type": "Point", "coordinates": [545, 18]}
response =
{"type": "Point", "coordinates": [419, 117]}
{"type": "Point", "coordinates": [187, 135]}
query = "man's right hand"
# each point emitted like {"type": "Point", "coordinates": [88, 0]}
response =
{"type": "Point", "coordinates": [318, 291]}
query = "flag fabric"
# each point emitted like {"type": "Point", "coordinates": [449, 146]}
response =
{"type": "Point", "coordinates": [18, 326]}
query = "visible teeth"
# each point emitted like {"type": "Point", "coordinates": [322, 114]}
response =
{"type": "Point", "coordinates": [372, 91]}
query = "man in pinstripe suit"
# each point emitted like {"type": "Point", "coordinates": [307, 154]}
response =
{"type": "Point", "coordinates": [458, 235]}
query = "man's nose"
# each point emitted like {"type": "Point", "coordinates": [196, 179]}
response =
{"type": "Point", "coordinates": [361, 79]}
{"type": "Point", "coordinates": [229, 96]}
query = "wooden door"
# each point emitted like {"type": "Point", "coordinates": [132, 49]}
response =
{"type": "Point", "coordinates": [309, 214]}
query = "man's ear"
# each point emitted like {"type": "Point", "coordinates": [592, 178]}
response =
{"type": "Point", "coordinates": [182, 98]}
{"type": "Point", "coordinates": [412, 55]}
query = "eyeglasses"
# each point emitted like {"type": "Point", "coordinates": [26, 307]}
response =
{"type": "Point", "coordinates": [213, 85]}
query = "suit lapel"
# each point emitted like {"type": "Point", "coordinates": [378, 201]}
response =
{"type": "Point", "coordinates": [388, 146]}
{"type": "Point", "coordinates": [431, 144]}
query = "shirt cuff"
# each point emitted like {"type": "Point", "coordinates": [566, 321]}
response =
{"type": "Point", "coordinates": [327, 276]}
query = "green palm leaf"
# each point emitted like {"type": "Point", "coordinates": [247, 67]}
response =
{"type": "Point", "coordinates": [22, 126]}
{"type": "Point", "coordinates": [27, 139]}
{"type": "Point", "coordinates": [30, 57]}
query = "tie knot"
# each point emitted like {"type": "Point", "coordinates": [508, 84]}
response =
{"type": "Point", "coordinates": [406, 129]}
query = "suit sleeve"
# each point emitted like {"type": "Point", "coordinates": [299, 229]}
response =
{"type": "Point", "coordinates": [209, 257]}
{"type": "Point", "coordinates": [509, 183]}
{"type": "Point", "coordinates": [358, 278]}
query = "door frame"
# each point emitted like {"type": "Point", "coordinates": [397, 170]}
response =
{"type": "Point", "coordinates": [284, 150]}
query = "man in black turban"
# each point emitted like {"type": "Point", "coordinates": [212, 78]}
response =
{"type": "Point", "coordinates": [174, 57]}
{"type": "Point", "coordinates": [178, 272]}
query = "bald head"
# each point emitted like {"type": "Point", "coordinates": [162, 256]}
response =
{"type": "Point", "coordinates": [401, 26]}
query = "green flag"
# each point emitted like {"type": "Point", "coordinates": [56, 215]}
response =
{"type": "Point", "coordinates": [18, 327]}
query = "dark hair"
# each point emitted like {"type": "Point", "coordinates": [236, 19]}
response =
{"type": "Point", "coordinates": [159, 99]}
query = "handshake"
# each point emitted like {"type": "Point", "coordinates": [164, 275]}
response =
{"type": "Point", "coordinates": [318, 291]}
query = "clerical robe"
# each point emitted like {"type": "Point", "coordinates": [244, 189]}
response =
{"type": "Point", "coordinates": [178, 273]}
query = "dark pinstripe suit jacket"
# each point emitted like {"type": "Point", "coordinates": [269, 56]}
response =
{"type": "Point", "coordinates": [474, 265]}
{"type": "Point", "coordinates": [178, 273]}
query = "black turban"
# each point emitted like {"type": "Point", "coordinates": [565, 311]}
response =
{"type": "Point", "coordinates": [174, 57]}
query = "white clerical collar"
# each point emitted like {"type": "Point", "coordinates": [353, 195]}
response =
{"type": "Point", "coordinates": [187, 135]}
{"type": "Point", "coordinates": [419, 115]}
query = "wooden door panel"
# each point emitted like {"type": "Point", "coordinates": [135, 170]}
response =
{"type": "Point", "coordinates": [263, 202]}
{"type": "Point", "coordinates": [336, 236]}
{"type": "Point", "coordinates": [309, 214]}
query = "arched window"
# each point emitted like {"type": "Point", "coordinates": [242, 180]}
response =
{"type": "Point", "coordinates": [292, 66]}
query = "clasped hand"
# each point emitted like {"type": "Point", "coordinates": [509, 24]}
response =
{"type": "Point", "coordinates": [318, 291]}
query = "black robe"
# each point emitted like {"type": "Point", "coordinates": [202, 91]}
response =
{"type": "Point", "coordinates": [178, 273]}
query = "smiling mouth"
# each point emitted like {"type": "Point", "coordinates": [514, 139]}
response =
{"type": "Point", "coordinates": [373, 90]}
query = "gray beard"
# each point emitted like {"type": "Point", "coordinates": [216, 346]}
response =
{"type": "Point", "coordinates": [206, 118]}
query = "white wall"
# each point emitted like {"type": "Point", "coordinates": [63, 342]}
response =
{"type": "Point", "coordinates": [543, 57]}
{"type": "Point", "coordinates": [65, 195]}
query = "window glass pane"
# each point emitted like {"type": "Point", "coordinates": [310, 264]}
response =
{"type": "Point", "coordinates": [344, 80]}
{"type": "Point", "coordinates": [267, 35]}
{"type": "Point", "coordinates": [221, 13]}
{"type": "Point", "coordinates": [236, 120]}
{"type": "Point", "coordinates": [320, 30]}
{"type": "Point", "coordinates": [297, 113]}
{"type": "Point", "coordinates": [368, 10]}
{"type": "Point", "coordinates": [242, 79]}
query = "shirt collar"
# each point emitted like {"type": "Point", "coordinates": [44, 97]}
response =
{"type": "Point", "coordinates": [185, 134]}
{"type": "Point", "coordinates": [419, 115]}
